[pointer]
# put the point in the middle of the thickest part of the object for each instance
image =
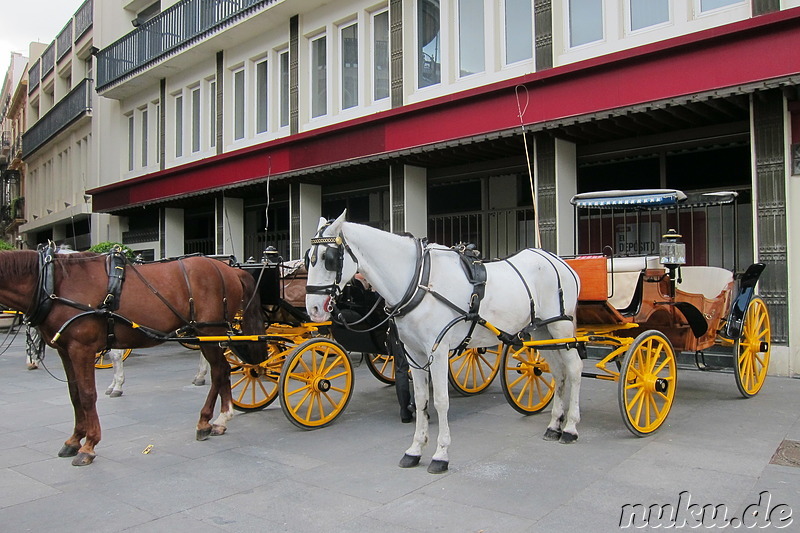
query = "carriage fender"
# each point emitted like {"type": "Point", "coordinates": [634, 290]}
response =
{"type": "Point", "coordinates": [694, 317]}
{"type": "Point", "coordinates": [747, 285]}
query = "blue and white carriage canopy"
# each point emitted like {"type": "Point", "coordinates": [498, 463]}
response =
{"type": "Point", "coordinates": [648, 198]}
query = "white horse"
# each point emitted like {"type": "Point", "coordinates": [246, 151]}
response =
{"type": "Point", "coordinates": [114, 390]}
{"type": "Point", "coordinates": [532, 291]}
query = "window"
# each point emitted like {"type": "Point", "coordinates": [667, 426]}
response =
{"type": "Point", "coordinates": [130, 142]}
{"type": "Point", "coordinates": [585, 21]}
{"type": "Point", "coordinates": [212, 122]}
{"type": "Point", "coordinates": [519, 30]}
{"type": "Point", "coordinates": [319, 78]}
{"type": "Point", "coordinates": [179, 126]}
{"type": "Point", "coordinates": [196, 119]}
{"type": "Point", "coordinates": [144, 137]}
{"type": "Point", "coordinates": [380, 68]}
{"type": "Point", "coordinates": [428, 46]}
{"type": "Point", "coordinates": [350, 66]}
{"type": "Point", "coordinates": [283, 59]}
{"type": "Point", "coordinates": [708, 5]}
{"type": "Point", "coordinates": [238, 104]}
{"type": "Point", "coordinates": [645, 13]}
{"type": "Point", "coordinates": [470, 37]}
{"type": "Point", "coordinates": [261, 97]}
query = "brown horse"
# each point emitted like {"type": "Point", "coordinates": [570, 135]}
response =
{"type": "Point", "coordinates": [197, 292]}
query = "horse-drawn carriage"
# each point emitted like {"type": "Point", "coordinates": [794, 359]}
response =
{"type": "Point", "coordinates": [643, 310]}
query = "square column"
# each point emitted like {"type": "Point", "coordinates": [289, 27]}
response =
{"type": "Point", "coordinates": [172, 237]}
{"type": "Point", "coordinates": [408, 197]}
{"type": "Point", "coordinates": [305, 210]}
{"type": "Point", "coordinates": [229, 221]}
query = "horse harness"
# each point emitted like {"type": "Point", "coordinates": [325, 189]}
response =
{"type": "Point", "coordinates": [116, 262]}
{"type": "Point", "coordinates": [474, 270]}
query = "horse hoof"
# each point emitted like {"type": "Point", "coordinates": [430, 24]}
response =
{"type": "Point", "coordinates": [409, 461]}
{"type": "Point", "coordinates": [218, 430]}
{"type": "Point", "coordinates": [115, 393]}
{"type": "Point", "coordinates": [437, 467]}
{"type": "Point", "coordinates": [568, 438]}
{"type": "Point", "coordinates": [552, 434]}
{"type": "Point", "coordinates": [83, 459]}
{"type": "Point", "coordinates": [203, 434]}
{"type": "Point", "coordinates": [109, 391]}
{"type": "Point", "coordinates": [199, 382]}
{"type": "Point", "coordinates": [32, 366]}
{"type": "Point", "coordinates": [68, 451]}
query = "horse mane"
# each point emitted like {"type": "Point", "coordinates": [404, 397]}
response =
{"type": "Point", "coordinates": [18, 263]}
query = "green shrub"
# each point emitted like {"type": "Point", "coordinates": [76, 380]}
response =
{"type": "Point", "coordinates": [106, 246]}
{"type": "Point", "coordinates": [6, 246]}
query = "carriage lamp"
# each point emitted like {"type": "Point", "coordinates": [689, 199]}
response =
{"type": "Point", "coordinates": [672, 252]}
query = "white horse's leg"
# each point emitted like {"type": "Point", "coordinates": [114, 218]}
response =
{"type": "Point", "coordinates": [414, 452]}
{"type": "Point", "coordinates": [573, 366]}
{"type": "Point", "coordinates": [115, 388]}
{"type": "Point", "coordinates": [202, 370]}
{"type": "Point", "coordinates": [554, 428]}
{"type": "Point", "coordinates": [441, 400]}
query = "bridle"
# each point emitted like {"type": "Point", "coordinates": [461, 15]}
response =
{"type": "Point", "coordinates": [332, 257]}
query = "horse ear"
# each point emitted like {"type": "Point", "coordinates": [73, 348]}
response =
{"type": "Point", "coordinates": [336, 224]}
{"type": "Point", "coordinates": [322, 222]}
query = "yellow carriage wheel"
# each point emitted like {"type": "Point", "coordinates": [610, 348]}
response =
{"type": "Point", "coordinates": [647, 381]}
{"type": "Point", "coordinates": [527, 382]}
{"type": "Point", "coordinates": [382, 366]}
{"type": "Point", "coordinates": [101, 360]}
{"type": "Point", "coordinates": [752, 349]}
{"type": "Point", "coordinates": [316, 383]}
{"type": "Point", "coordinates": [253, 387]}
{"type": "Point", "coordinates": [473, 370]}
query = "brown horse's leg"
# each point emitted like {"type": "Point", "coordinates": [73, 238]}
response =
{"type": "Point", "coordinates": [204, 424]}
{"type": "Point", "coordinates": [82, 359]}
{"type": "Point", "coordinates": [221, 377]}
{"type": "Point", "coordinates": [73, 443]}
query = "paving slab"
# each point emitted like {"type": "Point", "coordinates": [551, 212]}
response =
{"type": "Point", "coordinates": [265, 474]}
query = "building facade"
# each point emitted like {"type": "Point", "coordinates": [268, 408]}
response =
{"type": "Point", "coordinates": [58, 146]}
{"type": "Point", "coordinates": [12, 170]}
{"type": "Point", "coordinates": [227, 126]}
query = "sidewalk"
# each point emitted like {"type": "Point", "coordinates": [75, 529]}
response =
{"type": "Point", "coordinates": [266, 475]}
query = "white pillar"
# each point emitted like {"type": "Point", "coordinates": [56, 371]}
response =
{"type": "Point", "coordinates": [305, 209]}
{"type": "Point", "coordinates": [785, 360]}
{"type": "Point", "coordinates": [230, 224]}
{"type": "Point", "coordinates": [172, 232]}
{"type": "Point", "coordinates": [566, 188]}
{"type": "Point", "coordinates": [105, 228]}
{"type": "Point", "coordinates": [409, 200]}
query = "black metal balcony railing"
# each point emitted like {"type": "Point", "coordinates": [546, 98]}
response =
{"type": "Point", "coordinates": [64, 41]}
{"type": "Point", "coordinates": [76, 104]}
{"type": "Point", "coordinates": [34, 75]}
{"type": "Point", "coordinates": [176, 26]}
{"type": "Point", "coordinates": [140, 235]}
{"type": "Point", "coordinates": [84, 17]}
{"type": "Point", "coordinates": [48, 59]}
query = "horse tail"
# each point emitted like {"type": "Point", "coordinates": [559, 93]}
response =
{"type": "Point", "coordinates": [252, 316]}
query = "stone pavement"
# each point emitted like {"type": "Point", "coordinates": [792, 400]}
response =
{"type": "Point", "coordinates": [266, 475]}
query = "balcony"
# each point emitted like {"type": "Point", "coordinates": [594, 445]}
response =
{"type": "Point", "coordinates": [77, 104]}
{"type": "Point", "coordinates": [64, 41]}
{"type": "Point", "coordinates": [181, 25]}
{"type": "Point", "coordinates": [34, 75]}
{"type": "Point", "coordinates": [84, 17]}
{"type": "Point", "coordinates": [49, 59]}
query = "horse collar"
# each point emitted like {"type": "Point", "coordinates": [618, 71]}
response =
{"type": "Point", "coordinates": [45, 286]}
